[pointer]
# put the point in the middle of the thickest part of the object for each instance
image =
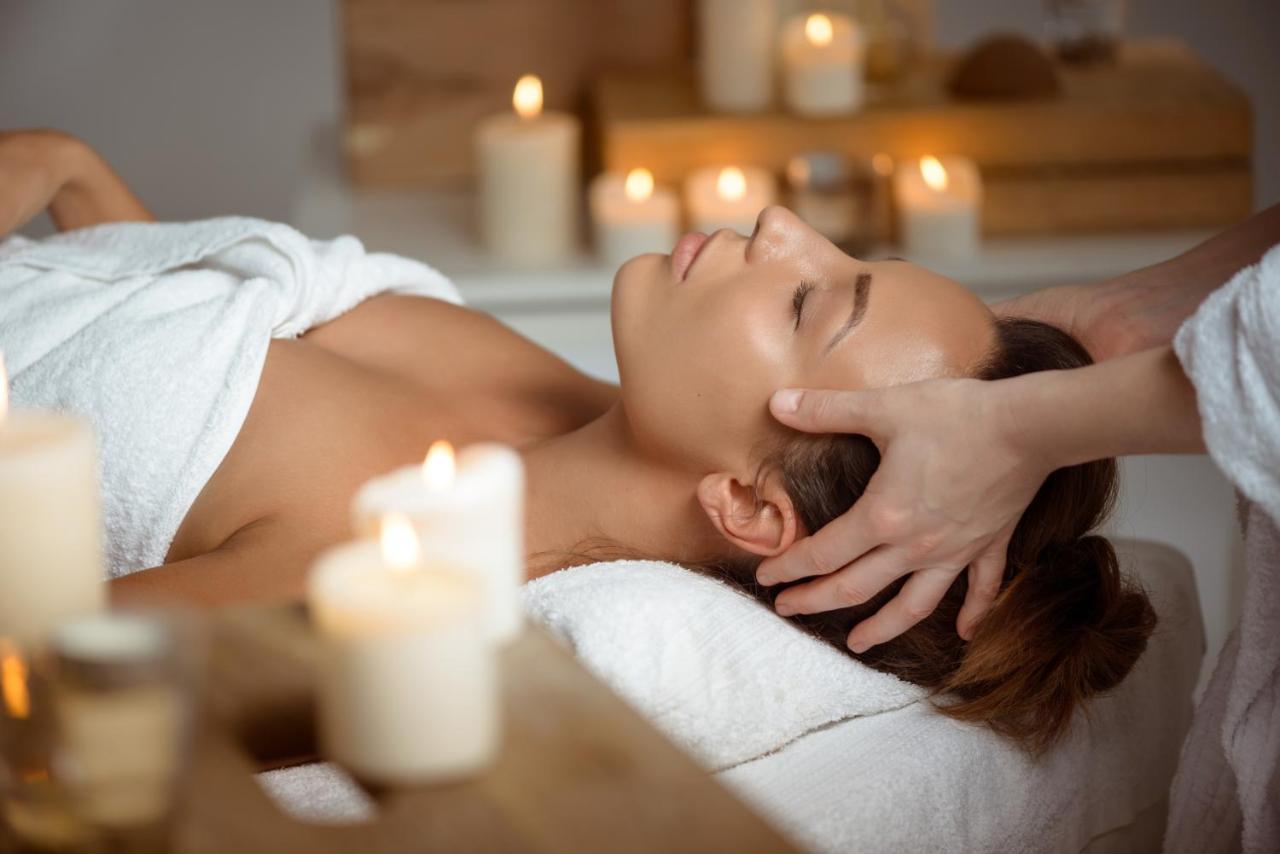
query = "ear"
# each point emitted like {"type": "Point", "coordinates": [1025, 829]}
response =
{"type": "Point", "coordinates": [760, 520]}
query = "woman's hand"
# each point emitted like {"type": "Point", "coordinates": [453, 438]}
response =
{"type": "Point", "coordinates": [35, 165]}
{"type": "Point", "coordinates": [1093, 314]}
{"type": "Point", "coordinates": [951, 486]}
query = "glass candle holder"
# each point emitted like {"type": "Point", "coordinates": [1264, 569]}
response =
{"type": "Point", "coordinates": [839, 198]}
{"type": "Point", "coordinates": [95, 734]}
{"type": "Point", "coordinates": [1085, 31]}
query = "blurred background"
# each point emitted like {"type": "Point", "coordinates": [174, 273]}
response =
{"type": "Point", "coordinates": [208, 108]}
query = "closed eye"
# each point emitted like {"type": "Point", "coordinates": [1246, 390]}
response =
{"type": "Point", "coordinates": [797, 301]}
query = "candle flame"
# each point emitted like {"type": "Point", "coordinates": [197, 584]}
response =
{"type": "Point", "coordinates": [439, 468]}
{"type": "Point", "coordinates": [4, 388]}
{"type": "Point", "coordinates": [882, 164]}
{"type": "Point", "coordinates": [934, 175]}
{"type": "Point", "coordinates": [13, 681]}
{"type": "Point", "coordinates": [731, 184]}
{"type": "Point", "coordinates": [639, 185]}
{"type": "Point", "coordinates": [527, 97]}
{"type": "Point", "coordinates": [400, 547]}
{"type": "Point", "coordinates": [818, 30]}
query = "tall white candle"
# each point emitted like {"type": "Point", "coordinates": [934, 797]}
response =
{"type": "Point", "coordinates": [529, 185]}
{"type": "Point", "coordinates": [408, 681]}
{"type": "Point", "coordinates": [822, 61]}
{"type": "Point", "coordinates": [50, 524]}
{"type": "Point", "coordinates": [735, 53]}
{"type": "Point", "coordinates": [469, 514]}
{"type": "Point", "coordinates": [939, 203]}
{"type": "Point", "coordinates": [729, 197]}
{"type": "Point", "coordinates": [632, 215]}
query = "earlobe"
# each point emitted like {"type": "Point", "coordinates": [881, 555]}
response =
{"type": "Point", "coordinates": [757, 520]}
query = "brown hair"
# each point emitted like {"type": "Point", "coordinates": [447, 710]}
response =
{"type": "Point", "coordinates": [1066, 625]}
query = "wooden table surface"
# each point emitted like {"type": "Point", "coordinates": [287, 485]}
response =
{"type": "Point", "coordinates": [579, 769]}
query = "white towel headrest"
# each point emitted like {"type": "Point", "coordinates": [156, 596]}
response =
{"type": "Point", "coordinates": [717, 671]}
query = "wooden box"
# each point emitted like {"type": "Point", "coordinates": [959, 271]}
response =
{"type": "Point", "coordinates": [1157, 140]}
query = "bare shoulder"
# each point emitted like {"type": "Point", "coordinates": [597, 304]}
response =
{"type": "Point", "coordinates": [432, 343]}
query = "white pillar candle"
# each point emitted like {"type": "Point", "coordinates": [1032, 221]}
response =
{"type": "Point", "coordinates": [469, 514]}
{"type": "Point", "coordinates": [939, 203]}
{"type": "Point", "coordinates": [735, 53]}
{"type": "Point", "coordinates": [408, 688]}
{"type": "Point", "coordinates": [729, 197]}
{"type": "Point", "coordinates": [632, 216]}
{"type": "Point", "coordinates": [50, 524]}
{"type": "Point", "coordinates": [822, 61]}
{"type": "Point", "coordinates": [528, 172]}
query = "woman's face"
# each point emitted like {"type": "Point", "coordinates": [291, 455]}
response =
{"type": "Point", "coordinates": [705, 335]}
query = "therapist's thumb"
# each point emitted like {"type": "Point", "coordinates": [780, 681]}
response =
{"type": "Point", "coordinates": [825, 411]}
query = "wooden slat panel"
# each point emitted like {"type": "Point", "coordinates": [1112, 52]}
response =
{"type": "Point", "coordinates": [421, 74]}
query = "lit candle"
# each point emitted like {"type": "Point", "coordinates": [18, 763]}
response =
{"type": "Point", "coordinates": [50, 525]}
{"type": "Point", "coordinates": [735, 53]}
{"type": "Point", "coordinates": [730, 197]}
{"type": "Point", "coordinates": [408, 681]}
{"type": "Point", "coordinates": [528, 172]}
{"type": "Point", "coordinates": [468, 513]}
{"type": "Point", "coordinates": [939, 203]}
{"type": "Point", "coordinates": [632, 216]}
{"type": "Point", "coordinates": [822, 58]}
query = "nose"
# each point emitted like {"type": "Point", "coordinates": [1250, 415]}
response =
{"type": "Point", "coordinates": [776, 230]}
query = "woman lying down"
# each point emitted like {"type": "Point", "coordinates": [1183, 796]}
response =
{"type": "Point", "coordinates": [244, 381]}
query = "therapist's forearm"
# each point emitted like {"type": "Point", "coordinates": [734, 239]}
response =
{"type": "Point", "coordinates": [1141, 403]}
{"type": "Point", "coordinates": [1154, 301]}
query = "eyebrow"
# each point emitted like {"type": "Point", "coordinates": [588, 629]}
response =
{"type": "Point", "coordinates": [861, 290]}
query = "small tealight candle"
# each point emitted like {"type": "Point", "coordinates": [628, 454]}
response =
{"type": "Point", "coordinates": [50, 524]}
{"type": "Point", "coordinates": [632, 215]}
{"type": "Point", "coordinates": [469, 513]}
{"type": "Point", "coordinates": [729, 197]}
{"type": "Point", "coordinates": [939, 204]}
{"type": "Point", "coordinates": [822, 57]}
{"type": "Point", "coordinates": [408, 681]}
{"type": "Point", "coordinates": [528, 173]}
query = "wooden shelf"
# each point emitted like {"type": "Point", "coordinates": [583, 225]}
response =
{"type": "Point", "coordinates": [1157, 140]}
{"type": "Point", "coordinates": [579, 770]}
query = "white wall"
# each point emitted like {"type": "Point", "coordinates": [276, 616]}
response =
{"type": "Point", "coordinates": [205, 107]}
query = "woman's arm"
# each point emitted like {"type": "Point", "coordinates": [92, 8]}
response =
{"type": "Point", "coordinates": [46, 169]}
{"type": "Point", "coordinates": [1143, 309]}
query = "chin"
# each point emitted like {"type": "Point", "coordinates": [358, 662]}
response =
{"type": "Point", "coordinates": [636, 285]}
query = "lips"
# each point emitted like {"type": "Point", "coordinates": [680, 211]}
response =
{"type": "Point", "coordinates": [686, 252]}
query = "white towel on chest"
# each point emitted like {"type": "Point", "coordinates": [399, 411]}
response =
{"type": "Point", "coordinates": [1227, 791]}
{"type": "Point", "coordinates": [157, 334]}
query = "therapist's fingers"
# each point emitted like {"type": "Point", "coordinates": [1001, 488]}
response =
{"type": "Point", "coordinates": [842, 541]}
{"type": "Point", "coordinates": [915, 601]}
{"type": "Point", "coordinates": [986, 573]}
{"type": "Point", "coordinates": [852, 585]}
{"type": "Point", "coordinates": [826, 411]}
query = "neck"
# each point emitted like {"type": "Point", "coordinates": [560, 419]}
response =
{"type": "Point", "coordinates": [593, 496]}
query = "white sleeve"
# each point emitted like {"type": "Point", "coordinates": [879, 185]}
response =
{"type": "Point", "coordinates": [1230, 349]}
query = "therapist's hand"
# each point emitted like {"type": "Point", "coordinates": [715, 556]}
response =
{"type": "Point", "coordinates": [951, 486]}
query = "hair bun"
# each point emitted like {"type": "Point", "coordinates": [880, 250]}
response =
{"type": "Point", "coordinates": [1065, 629]}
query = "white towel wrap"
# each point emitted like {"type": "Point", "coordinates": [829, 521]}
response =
{"type": "Point", "coordinates": [157, 334]}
